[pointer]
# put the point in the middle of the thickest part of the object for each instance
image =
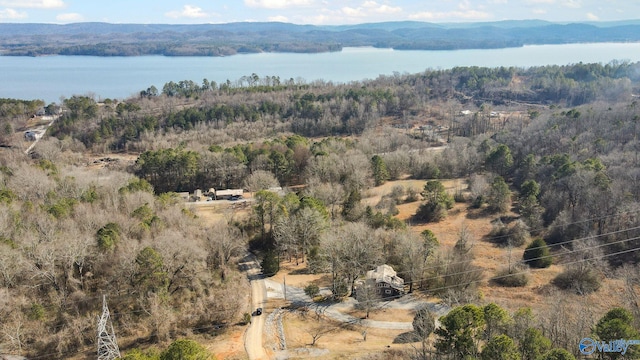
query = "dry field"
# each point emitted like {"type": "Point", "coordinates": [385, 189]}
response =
{"type": "Point", "coordinates": [340, 343]}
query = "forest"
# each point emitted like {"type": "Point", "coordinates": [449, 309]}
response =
{"type": "Point", "coordinates": [549, 155]}
{"type": "Point", "coordinates": [104, 39]}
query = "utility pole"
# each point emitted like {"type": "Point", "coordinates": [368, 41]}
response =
{"type": "Point", "coordinates": [107, 345]}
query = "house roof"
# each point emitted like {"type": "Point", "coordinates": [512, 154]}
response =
{"type": "Point", "coordinates": [385, 273]}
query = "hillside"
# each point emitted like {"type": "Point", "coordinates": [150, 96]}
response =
{"type": "Point", "coordinates": [489, 161]}
{"type": "Point", "coordinates": [104, 39]}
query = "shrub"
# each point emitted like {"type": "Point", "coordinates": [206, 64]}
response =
{"type": "Point", "coordinates": [311, 290]}
{"type": "Point", "coordinates": [246, 318]}
{"type": "Point", "coordinates": [536, 255]}
{"type": "Point", "coordinates": [478, 201]}
{"type": "Point", "coordinates": [516, 276]}
{"type": "Point", "coordinates": [515, 234]}
{"type": "Point", "coordinates": [430, 212]}
{"type": "Point", "coordinates": [459, 197]}
{"type": "Point", "coordinates": [518, 233]}
{"type": "Point", "coordinates": [185, 350]}
{"type": "Point", "coordinates": [581, 279]}
{"type": "Point", "coordinates": [412, 195]}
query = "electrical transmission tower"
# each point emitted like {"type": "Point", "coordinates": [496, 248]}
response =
{"type": "Point", "coordinates": [107, 345]}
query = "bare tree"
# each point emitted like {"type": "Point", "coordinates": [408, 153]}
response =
{"type": "Point", "coordinates": [320, 330]}
{"type": "Point", "coordinates": [368, 296]}
{"type": "Point", "coordinates": [260, 180]}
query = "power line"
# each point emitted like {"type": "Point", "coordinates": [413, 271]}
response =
{"type": "Point", "coordinates": [542, 246]}
{"type": "Point", "coordinates": [521, 272]}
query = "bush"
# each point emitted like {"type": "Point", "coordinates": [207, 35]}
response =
{"type": "Point", "coordinates": [185, 350]}
{"type": "Point", "coordinates": [514, 277]}
{"type": "Point", "coordinates": [412, 195]}
{"type": "Point", "coordinates": [459, 197]}
{"type": "Point", "coordinates": [518, 233]}
{"type": "Point", "coordinates": [246, 318]}
{"type": "Point", "coordinates": [515, 234]}
{"type": "Point", "coordinates": [430, 212]}
{"type": "Point", "coordinates": [478, 201]}
{"type": "Point", "coordinates": [537, 255]}
{"type": "Point", "coordinates": [137, 354]}
{"type": "Point", "coordinates": [581, 279]}
{"type": "Point", "coordinates": [312, 290]}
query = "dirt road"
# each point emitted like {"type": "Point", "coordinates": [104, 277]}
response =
{"type": "Point", "coordinates": [253, 337]}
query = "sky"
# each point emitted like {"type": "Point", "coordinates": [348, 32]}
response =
{"type": "Point", "coordinates": [317, 12]}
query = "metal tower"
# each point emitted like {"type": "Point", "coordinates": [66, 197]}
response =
{"type": "Point", "coordinates": [107, 345]}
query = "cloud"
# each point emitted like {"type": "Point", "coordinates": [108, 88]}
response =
{"type": "Point", "coordinates": [592, 16]}
{"type": "Point", "coordinates": [278, 18]}
{"type": "Point", "coordinates": [535, 2]}
{"type": "Point", "coordinates": [353, 12]}
{"type": "Point", "coordinates": [33, 4]}
{"type": "Point", "coordinates": [70, 17]}
{"type": "Point", "coordinates": [276, 4]}
{"type": "Point", "coordinates": [574, 4]}
{"type": "Point", "coordinates": [370, 7]}
{"type": "Point", "coordinates": [451, 15]}
{"type": "Point", "coordinates": [539, 11]}
{"type": "Point", "coordinates": [386, 9]}
{"type": "Point", "coordinates": [11, 14]}
{"type": "Point", "coordinates": [188, 11]}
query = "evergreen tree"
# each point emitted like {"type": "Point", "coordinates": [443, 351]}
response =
{"type": "Point", "coordinates": [558, 354]}
{"type": "Point", "coordinates": [499, 195]}
{"type": "Point", "coordinates": [459, 331]}
{"type": "Point", "coordinates": [534, 344]}
{"type": "Point", "coordinates": [500, 347]}
{"type": "Point", "coordinates": [270, 263]}
{"type": "Point", "coordinates": [537, 254]}
{"type": "Point", "coordinates": [617, 324]}
{"type": "Point", "coordinates": [380, 172]}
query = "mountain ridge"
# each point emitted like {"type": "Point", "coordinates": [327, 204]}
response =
{"type": "Point", "coordinates": [108, 39]}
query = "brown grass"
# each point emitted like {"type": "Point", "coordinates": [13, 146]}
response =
{"type": "Point", "coordinates": [343, 343]}
{"type": "Point", "coordinates": [538, 294]}
{"type": "Point", "coordinates": [385, 314]}
{"type": "Point", "coordinates": [229, 345]}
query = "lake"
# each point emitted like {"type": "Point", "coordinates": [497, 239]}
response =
{"type": "Point", "coordinates": [52, 77]}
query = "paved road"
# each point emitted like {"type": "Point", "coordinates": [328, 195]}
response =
{"type": "Point", "coordinates": [253, 336]}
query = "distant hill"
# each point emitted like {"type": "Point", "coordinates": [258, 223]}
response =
{"type": "Point", "coordinates": [104, 39]}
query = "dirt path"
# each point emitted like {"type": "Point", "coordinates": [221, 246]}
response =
{"type": "Point", "coordinates": [339, 311]}
{"type": "Point", "coordinates": [253, 336]}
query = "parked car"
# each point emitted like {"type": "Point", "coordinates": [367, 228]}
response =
{"type": "Point", "coordinates": [258, 311]}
